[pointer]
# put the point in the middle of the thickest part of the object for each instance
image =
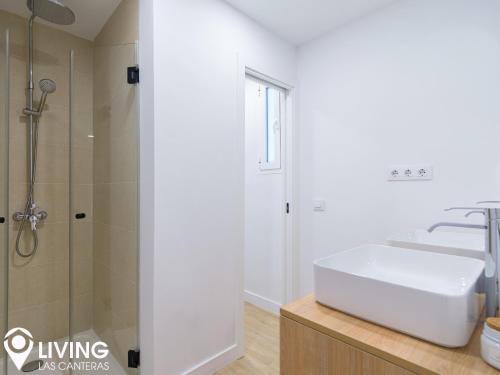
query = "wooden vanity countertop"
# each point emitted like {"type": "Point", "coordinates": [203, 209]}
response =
{"type": "Point", "coordinates": [415, 355]}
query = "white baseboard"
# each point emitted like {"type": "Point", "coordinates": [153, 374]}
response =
{"type": "Point", "coordinates": [216, 362]}
{"type": "Point", "coordinates": [262, 302]}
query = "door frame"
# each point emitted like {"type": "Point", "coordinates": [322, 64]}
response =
{"type": "Point", "coordinates": [290, 263]}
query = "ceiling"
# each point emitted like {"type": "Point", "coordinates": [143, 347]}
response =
{"type": "Point", "coordinates": [300, 21]}
{"type": "Point", "coordinates": [91, 15]}
{"type": "Point", "coordinates": [297, 21]}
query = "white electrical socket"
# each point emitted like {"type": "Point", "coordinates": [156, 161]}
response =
{"type": "Point", "coordinates": [410, 173]}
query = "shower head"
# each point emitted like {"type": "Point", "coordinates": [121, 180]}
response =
{"type": "Point", "coordinates": [47, 86]}
{"type": "Point", "coordinates": [52, 10]}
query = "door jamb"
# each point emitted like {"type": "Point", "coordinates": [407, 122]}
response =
{"type": "Point", "coordinates": [290, 266]}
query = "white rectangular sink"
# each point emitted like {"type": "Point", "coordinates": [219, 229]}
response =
{"type": "Point", "coordinates": [453, 243]}
{"type": "Point", "coordinates": [427, 295]}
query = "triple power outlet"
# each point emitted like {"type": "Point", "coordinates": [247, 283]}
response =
{"type": "Point", "coordinates": [410, 173]}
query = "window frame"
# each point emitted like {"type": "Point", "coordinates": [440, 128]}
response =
{"type": "Point", "coordinates": [265, 165]}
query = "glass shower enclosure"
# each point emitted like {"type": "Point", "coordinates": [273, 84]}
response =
{"type": "Point", "coordinates": [80, 286]}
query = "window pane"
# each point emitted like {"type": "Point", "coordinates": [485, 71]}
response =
{"type": "Point", "coordinates": [272, 125]}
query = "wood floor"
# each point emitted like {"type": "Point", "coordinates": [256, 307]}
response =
{"type": "Point", "coordinates": [262, 345]}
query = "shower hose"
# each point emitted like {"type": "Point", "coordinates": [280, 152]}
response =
{"type": "Point", "coordinates": [29, 203]}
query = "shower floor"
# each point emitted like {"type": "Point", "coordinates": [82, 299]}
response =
{"type": "Point", "coordinates": [91, 336]}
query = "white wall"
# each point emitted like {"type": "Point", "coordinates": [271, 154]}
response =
{"type": "Point", "coordinates": [415, 83]}
{"type": "Point", "coordinates": [418, 82]}
{"type": "Point", "coordinates": [199, 176]}
{"type": "Point", "coordinates": [264, 210]}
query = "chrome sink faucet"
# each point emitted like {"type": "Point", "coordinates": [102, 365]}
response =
{"type": "Point", "coordinates": [492, 243]}
{"type": "Point", "coordinates": [457, 225]}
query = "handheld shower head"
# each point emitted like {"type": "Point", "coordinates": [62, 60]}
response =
{"type": "Point", "coordinates": [48, 87]}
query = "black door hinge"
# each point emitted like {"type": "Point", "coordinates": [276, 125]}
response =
{"type": "Point", "coordinates": [287, 207]}
{"type": "Point", "coordinates": [133, 75]}
{"type": "Point", "coordinates": [134, 358]}
{"type": "Point", "coordinates": [2, 220]}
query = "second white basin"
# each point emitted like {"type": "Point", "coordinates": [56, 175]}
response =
{"type": "Point", "coordinates": [431, 296]}
{"type": "Point", "coordinates": [453, 243]}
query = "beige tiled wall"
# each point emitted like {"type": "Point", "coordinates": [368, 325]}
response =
{"type": "Point", "coordinates": [115, 183]}
{"type": "Point", "coordinates": [39, 286]}
{"type": "Point", "coordinates": [102, 184]}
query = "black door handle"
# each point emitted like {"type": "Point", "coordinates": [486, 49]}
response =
{"type": "Point", "coordinates": [2, 220]}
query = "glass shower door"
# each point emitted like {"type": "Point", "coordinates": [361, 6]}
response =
{"type": "Point", "coordinates": [116, 200]}
{"type": "Point", "coordinates": [104, 205]}
{"type": "Point", "coordinates": [4, 183]}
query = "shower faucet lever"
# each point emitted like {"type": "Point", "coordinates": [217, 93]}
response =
{"type": "Point", "coordinates": [33, 221]}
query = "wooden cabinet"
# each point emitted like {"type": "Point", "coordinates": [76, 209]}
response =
{"type": "Point", "coordinates": [305, 351]}
{"type": "Point", "coordinates": [317, 340]}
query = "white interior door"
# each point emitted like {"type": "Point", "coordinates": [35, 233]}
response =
{"type": "Point", "coordinates": [265, 206]}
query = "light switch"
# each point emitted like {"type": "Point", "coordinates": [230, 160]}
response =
{"type": "Point", "coordinates": [319, 205]}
